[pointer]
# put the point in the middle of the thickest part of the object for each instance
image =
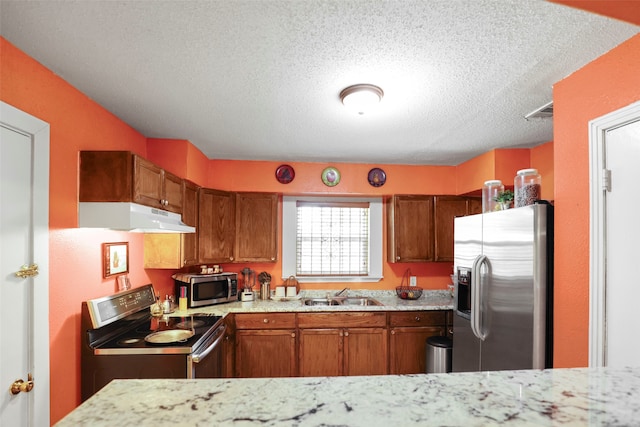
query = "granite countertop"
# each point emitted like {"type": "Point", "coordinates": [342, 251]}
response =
{"type": "Point", "coordinates": [582, 396]}
{"type": "Point", "coordinates": [430, 300]}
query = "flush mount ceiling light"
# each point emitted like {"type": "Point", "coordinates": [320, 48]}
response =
{"type": "Point", "coordinates": [361, 97]}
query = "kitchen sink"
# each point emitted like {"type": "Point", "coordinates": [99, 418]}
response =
{"type": "Point", "coordinates": [360, 301]}
{"type": "Point", "coordinates": [341, 301]}
{"type": "Point", "coordinates": [320, 301]}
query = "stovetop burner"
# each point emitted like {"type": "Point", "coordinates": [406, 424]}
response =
{"type": "Point", "coordinates": [188, 324]}
{"type": "Point", "coordinates": [128, 341]}
{"type": "Point", "coordinates": [134, 338]}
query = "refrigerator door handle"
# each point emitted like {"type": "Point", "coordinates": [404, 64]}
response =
{"type": "Point", "coordinates": [476, 293]}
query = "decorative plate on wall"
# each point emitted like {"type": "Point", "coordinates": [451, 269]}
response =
{"type": "Point", "coordinates": [377, 177]}
{"type": "Point", "coordinates": [285, 174]}
{"type": "Point", "coordinates": [330, 176]}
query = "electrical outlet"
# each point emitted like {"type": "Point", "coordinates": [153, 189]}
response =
{"type": "Point", "coordinates": [413, 281]}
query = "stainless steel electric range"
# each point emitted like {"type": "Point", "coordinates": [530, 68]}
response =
{"type": "Point", "coordinates": [121, 339]}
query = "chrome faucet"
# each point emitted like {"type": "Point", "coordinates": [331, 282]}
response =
{"type": "Point", "coordinates": [341, 292]}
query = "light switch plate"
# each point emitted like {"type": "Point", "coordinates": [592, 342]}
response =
{"type": "Point", "coordinates": [413, 281]}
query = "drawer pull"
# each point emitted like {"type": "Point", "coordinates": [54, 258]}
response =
{"type": "Point", "coordinates": [265, 321]}
{"type": "Point", "coordinates": [418, 318]}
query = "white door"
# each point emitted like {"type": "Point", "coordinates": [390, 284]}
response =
{"type": "Point", "coordinates": [622, 240]}
{"type": "Point", "coordinates": [616, 251]}
{"type": "Point", "coordinates": [24, 211]}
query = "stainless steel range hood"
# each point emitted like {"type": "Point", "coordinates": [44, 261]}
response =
{"type": "Point", "coordinates": [130, 217]}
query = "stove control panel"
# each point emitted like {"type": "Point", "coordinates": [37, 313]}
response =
{"type": "Point", "coordinates": [108, 309]}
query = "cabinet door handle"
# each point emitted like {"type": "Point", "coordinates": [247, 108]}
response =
{"type": "Point", "coordinates": [346, 333]}
{"type": "Point", "coordinates": [393, 332]}
{"type": "Point", "coordinates": [398, 257]}
{"type": "Point", "coordinates": [293, 334]}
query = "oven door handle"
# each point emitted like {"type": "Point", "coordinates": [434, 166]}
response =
{"type": "Point", "coordinates": [219, 333]}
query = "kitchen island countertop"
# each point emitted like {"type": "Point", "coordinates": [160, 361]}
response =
{"type": "Point", "coordinates": [580, 396]}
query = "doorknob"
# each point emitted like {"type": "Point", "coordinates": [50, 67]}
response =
{"type": "Point", "coordinates": [28, 271]}
{"type": "Point", "coordinates": [22, 385]}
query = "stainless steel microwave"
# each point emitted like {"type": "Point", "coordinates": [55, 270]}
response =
{"type": "Point", "coordinates": [207, 289]}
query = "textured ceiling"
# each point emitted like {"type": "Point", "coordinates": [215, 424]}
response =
{"type": "Point", "coordinates": [259, 80]}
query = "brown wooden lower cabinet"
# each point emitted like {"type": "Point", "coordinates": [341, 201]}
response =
{"type": "Point", "coordinates": [366, 351]}
{"type": "Point", "coordinates": [228, 347]}
{"type": "Point", "coordinates": [265, 345]}
{"type": "Point", "coordinates": [332, 343]}
{"type": "Point", "coordinates": [342, 344]}
{"type": "Point", "coordinates": [321, 352]}
{"type": "Point", "coordinates": [408, 333]}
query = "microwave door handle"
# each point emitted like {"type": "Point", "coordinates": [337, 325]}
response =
{"type": "Point", "coordinates": [197, 357]}
{"type": "Point", "coordinates": [476, 293]}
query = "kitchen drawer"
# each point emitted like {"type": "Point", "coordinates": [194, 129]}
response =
{"type": "Point", "coordinates": [342, 320]}
{"type": "Point", "coordinates": [265, 320]}
{"type": "Point", "coordinates": [417, 318]}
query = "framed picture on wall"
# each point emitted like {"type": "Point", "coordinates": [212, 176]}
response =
{"type": "Point", "coordinates": [116, 258]}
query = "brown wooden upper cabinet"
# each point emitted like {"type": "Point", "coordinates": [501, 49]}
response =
{"type": "Point", "coordinates": [175, 250]}
{"type": "Point", "coordinates": [446, 208]}
{"type": "Point", "coordinates": [256, 227]}
{"type": "Point", "coordinates": [156, 187]}
{"type": "Point", "coordinates": [122, 176]}
{"type": "Point", "coordinates": [190, 217]}
{"type": "Point", "coordinates": [216, 226]}
{"type": "Point", "coordinates": [420, 228]}
{"type": "Point", "coordinates": [237, 227]}
{"type": "Point", "coordinates": [410, 228]}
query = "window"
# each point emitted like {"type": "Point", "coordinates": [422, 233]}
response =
{"type": "Point", "coordinates": [332, 239]}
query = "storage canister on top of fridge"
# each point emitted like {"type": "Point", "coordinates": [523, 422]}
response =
{"type": "Point", "coordinates": [490, 190]}
{"type": "Point", "coordinates": [527, 187]}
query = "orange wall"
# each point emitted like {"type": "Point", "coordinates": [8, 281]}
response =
{"type": "Point", "coordinates": [75, 264]}
{"type": "Point", "coordinates": [606, 84]}
{"type": "Point", "coordinates": [624, 10]}
{"type": "Point", "coordinates": [543, 160]}
{"type": "Point", "coordinates": [179, 157]}
{"type": "Point", "coordinates": [499, 164]}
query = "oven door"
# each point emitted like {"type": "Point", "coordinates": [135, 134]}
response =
{"type": "Point", "coordinates": [207, 360]}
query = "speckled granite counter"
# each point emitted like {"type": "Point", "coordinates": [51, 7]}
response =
{"type": "Point", "coordinates": [430, 300]}
{"type": "Point", "coordinates": [571, 397]}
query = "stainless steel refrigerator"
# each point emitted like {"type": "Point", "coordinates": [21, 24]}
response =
{"type": "Point", "coordinates": [504, 292]}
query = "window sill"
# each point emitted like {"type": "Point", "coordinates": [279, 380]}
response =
{"type": "Point", "coordinates": [336, 279]}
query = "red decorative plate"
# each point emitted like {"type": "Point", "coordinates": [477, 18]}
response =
{"type": "Point", "coordinates": [377, 177]}
{"type": "Point", "coordinates": [285, 174]}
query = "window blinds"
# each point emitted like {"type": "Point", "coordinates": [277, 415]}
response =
{"type": "Point", "coordinates": [332, 238]}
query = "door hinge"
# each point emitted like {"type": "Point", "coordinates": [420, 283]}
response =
{"type": "Point", "coordinates": [606, 180]}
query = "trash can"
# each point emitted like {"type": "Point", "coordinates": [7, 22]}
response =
{"type": "Point", "coordinates": [438, 355]}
